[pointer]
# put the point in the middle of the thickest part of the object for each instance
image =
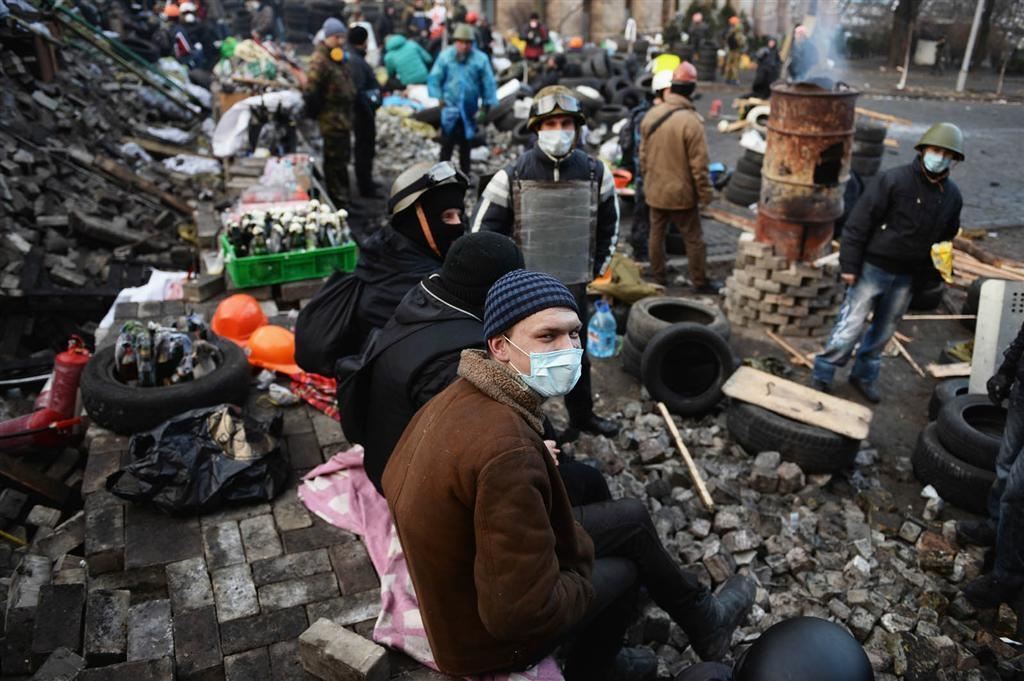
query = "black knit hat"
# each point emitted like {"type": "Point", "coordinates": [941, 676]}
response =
{"type": "Point", "coordinates": [519, 294]}
{"type": "Point", "coordinates": [475, 262]}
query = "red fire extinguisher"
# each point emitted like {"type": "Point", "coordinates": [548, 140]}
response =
{"type": "Point", "coordinates": [51, 424]}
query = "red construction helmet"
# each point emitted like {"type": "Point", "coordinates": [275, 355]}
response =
{"type": "Point", "coordinates": [734, 20]}
{"type": "Point", "coordinates": [472, 17]}
{"type": "Point", "coordinates": [685, 73]}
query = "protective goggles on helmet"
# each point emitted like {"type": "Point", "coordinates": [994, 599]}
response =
{"type": "Point", "coordinates": [547, 104]}
{"type": "Point", "coordinates": [439, 174]}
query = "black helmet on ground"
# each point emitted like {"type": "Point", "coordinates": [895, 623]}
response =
{"type": "Point", "coordinates": [804, 649]}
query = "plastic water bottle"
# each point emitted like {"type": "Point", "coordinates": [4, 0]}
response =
{"type": "Point", "coordinates": [601, 337]}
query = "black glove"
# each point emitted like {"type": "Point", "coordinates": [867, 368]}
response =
{"type": "Point", "coordinates": [999, 387]}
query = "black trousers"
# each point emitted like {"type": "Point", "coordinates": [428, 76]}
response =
{"type": "Point", "coordinates": [580, 401]}
{"type": "Point", "coordinates": [337, 149]}
{"type": "Point", "coordinates": [624, 537]}
{"type": "Point", "coordinates": [638, 236]}
{"type": "Point", "coordinates": [448, 142]}
{"type": "Point", "coordinates": [584, 484]}
{"type": "Point", "coordinates": [364, 130]}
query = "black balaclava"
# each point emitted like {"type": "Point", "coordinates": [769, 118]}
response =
{"type": "Point", "coordinates": [684, 89]}
{"type": "Point", "coordinates": [433, 203]}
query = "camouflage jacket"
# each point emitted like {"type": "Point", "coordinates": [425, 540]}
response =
{"type": "Point", "coordinates": [329, 84]}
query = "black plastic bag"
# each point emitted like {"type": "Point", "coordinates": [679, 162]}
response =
{"type": "Point", "coordinates": [325, 329]}
{"type": "Point", "coordinates": [203, 459]}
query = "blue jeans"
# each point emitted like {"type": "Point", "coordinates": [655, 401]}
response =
{"type": "Point", "coordinates": [886, 295]}
{"type": "Point", "coordinates": [1006, 500]}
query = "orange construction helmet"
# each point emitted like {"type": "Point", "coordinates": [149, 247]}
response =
{"type": "Point", "coordinates": [472, 17]}
{"type": "Point", "coordinates": [734, 20]}
{"type": "Point", "coordinates": [171, 10]}
{"type": "Point", "coordinates": [684, 73]}
{"type": "Point", "coordinates": [273, 347]}
{"type": "Point", "coordinates": [576, 43]}
{"type": "Point", "coordinates": [237, 317]}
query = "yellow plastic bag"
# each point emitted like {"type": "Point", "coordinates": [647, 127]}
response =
{"type": "Point", "coordinates": [942, 259]}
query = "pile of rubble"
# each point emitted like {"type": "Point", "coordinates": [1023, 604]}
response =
{"type": "Point", "coordinates": [836, 547]}
{"type": "Point", "coordinates": [83, 206]}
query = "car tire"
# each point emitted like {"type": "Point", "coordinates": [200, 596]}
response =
{"type": "Point", "coordinates": [927, 299]}
{"type": "Point", "coordinates": [866, 166]}
{"type": "Point", "coordinates": [685, 366]}
{"type": "Point", "coordinates": [611, 113]}
{"type": "Point", "coordinates": [749, 167]}
{"type": "Point", "coordinates": [522, 133]}
{"type": "Point", "coordinates": [956, 481]}
{"type": "Point", "coordinates": [631, 358]}
{"type": "Point", "coordinates": [499, 110]}
{"type": "Point", "coordinates": [868, 149]}
{"type": "Point", "coordinates": [650, 316]}
{"type": "Point", "coordinates": [740, 196]}
{"type": "Point", "coordinates": [814, 449]}
{"type": "Point", "coordinates": [129, 409]}
{"type": "Point", "coordinates": [971, 428]}
{"type": "Point", "coordinates": [747, 182]}
{"type": "Point", "coordinates": [431, 116]}
{"type": "Point", "coordinates": [869, 132]}
{"type": "Point", "coordinates": [755, 156]}
{"type": "Point", "coordinates": [944, 392]}
{"type": "Point", "coordinates": [508, 122]}
{"type": "Point", "coordinates": [629, 97]}
{"type": "Point", "coordinates": [599, 65]}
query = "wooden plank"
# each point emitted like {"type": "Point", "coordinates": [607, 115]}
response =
{"type": "Point", "coordinates": [953, 370]}
{"type": "Point", "coordinates": [698, 480]}
{"type": "Point", "coordinates": [729, 218]}
{"type": "Point", "coordinates": [28, 478]}
{"type": "Point", "coordinates": [799, 402]}
{"type": "Point", "coordinates": [888, 118]}
{"type": "Point", "coordinates": [795, 355]}
{"type": "Point", "coordinates": [130, 179]}
{"type": "Point", "coordinates": [906, 355]}
{"type": "Point", "coordinates": [937, 317]}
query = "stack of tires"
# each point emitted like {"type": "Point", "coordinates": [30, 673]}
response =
{"type": "Point", "coordinates": [679, 350]}
{"type": "Point", "coordinates": [707, 62]}
{"type": "Point", "coordinates": [956, 453]}
{"type": "Point", "coordinates": [744, 186]}
{"type": "Point", "coordinates": [868, 147]}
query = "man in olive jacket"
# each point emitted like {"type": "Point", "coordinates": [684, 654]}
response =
{"type": "Point", "coordinates": [674, 164]}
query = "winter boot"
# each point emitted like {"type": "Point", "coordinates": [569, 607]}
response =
{"type": "Point", "coordinates": [988, 591]}
{"type": "Point", "coordinates": [730, 606]}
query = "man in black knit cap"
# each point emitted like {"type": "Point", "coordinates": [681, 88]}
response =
{"type": "Point", "coordinates": [417, 356]}
{"type": "Point", "coordinates": [427, 216]}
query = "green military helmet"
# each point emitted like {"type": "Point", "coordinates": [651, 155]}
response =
{"type": "Point", "coordinates": [464, 32]}
{"type": "Point", "coordinates": [555, 100]}
{"type": "Point", "coordinates": [943, 136]}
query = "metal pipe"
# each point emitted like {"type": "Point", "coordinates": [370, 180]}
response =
{"type": "Point", "coordinates": [961, 80]}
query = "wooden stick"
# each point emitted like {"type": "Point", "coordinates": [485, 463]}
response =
{"type": "Point", "coordinates": [826, 259]}
{"type": "Point", "coordinates": [906, 355]}
{"type": "Point", "coordinates": [796, 356]}
{"type": "Point", "coordinates": [702, 490]}
{"type": "Point", "coordinates": [903, 337]}
{"type": "Point", "coordinates": [729, 218]}
{"type": "Point", "coordinates": [937, 317]}
{"type": "Point", "coordinates": [883, 117]}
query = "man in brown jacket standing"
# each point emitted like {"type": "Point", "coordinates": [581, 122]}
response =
{"type": "Point", "coordinates": [503, 567]}
{"type": "Point", "coordinates": [674, 163]}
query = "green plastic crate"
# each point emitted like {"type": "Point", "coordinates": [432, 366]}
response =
{"type": "Point", "coordinates": [278, 268]}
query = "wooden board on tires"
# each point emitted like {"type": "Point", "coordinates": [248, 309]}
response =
{"type": "Point", "coordinates": [799, 402]}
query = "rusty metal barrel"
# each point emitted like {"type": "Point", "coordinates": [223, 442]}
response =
{"type": "Point", "coordinates": [806, 165]}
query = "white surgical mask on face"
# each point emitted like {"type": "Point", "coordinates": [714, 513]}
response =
{"type": "Point", "coordinates": [557, 143]}
{"type": "Point", "coordinates": [935, 163]}
{"type": "Point", "coordinates": [552, 373]}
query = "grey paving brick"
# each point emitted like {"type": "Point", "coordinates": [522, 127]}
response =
{"type": "Point", "coordinates": [304, 451]}
{"type": "Point", "coordinates": [59, 624]}
{"type": "Point", "coordinates": [147, 670]}
{"type": "Point", "coordinates": [347, 610]}
{"type": "Point", "coordinates": [328, 431]}
{"type": "Point", "coordinates": [150, 634]}
{"type": "Point", "coordinates": [234, 592]}
{"type": "Point", "coordinates": [260, 538]}
{"type": "Point", "coordinates": [329, 651]}
{"type": "Point", "coordinates": [320, 534]}
{"type": "Point", "coordinates": [106, 627]}
{"type": "Point", "coordinates": [296, 421]}
{"type": "Point", "coordinates": [290, 513]}
{"type": "Point", "coordinates": [262, 630]}
{"type": "Point", "coordinates": [104, 533]}
{"type": "Point", "coordinates": [253, 665]}
{"type": "Point", "coordinates": [153, 538]}
{"type": "Point", "coordinates": [17, 644]}
{"type": "Point", "coordinates": [353, 568]}
{"type": "Point", "coordinates": [62, 665]}
{"type": "Point", "coordinates": [285, 664]}
{"type": "Point", "coordinates": [222, 544]}
{"type": "Point", "coordinates": [235, 513]}
{"type": "Point", "coordinates": [144, 583]}
{"type": "Point", "coordinates": [298, 591]}
{"type": "Point", "coordinates": [290, 566]}
{"type": "Point", "coordinates": [99, 466]}
{"type": "Point", "coordinates": [188, 584]}
{"type": "Point", "coordinates": [197, 644]}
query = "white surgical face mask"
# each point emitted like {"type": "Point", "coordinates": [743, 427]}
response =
{"type": "Point", "coordinates": [557, 143]}
{"type": "Point", "coordinates": [935, 163]}
{"type": "Point", "coordinates": [552, 373]}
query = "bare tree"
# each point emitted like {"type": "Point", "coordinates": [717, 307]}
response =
{"type": "Point", "coordinates": [903, 20]}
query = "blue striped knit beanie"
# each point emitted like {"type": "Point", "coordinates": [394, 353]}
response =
{"type": "Point", "coordinates": [519, 294]}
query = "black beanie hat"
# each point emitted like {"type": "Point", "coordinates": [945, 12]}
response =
{"type": "Point", "coordinates": [475, 262]}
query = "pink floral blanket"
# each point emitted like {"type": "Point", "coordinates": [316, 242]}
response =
{"type": "Point", "coordinates": [340, 493]}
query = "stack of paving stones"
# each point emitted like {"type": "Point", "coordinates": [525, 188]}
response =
{"type": "Point", "coordinates": [766, 291]}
